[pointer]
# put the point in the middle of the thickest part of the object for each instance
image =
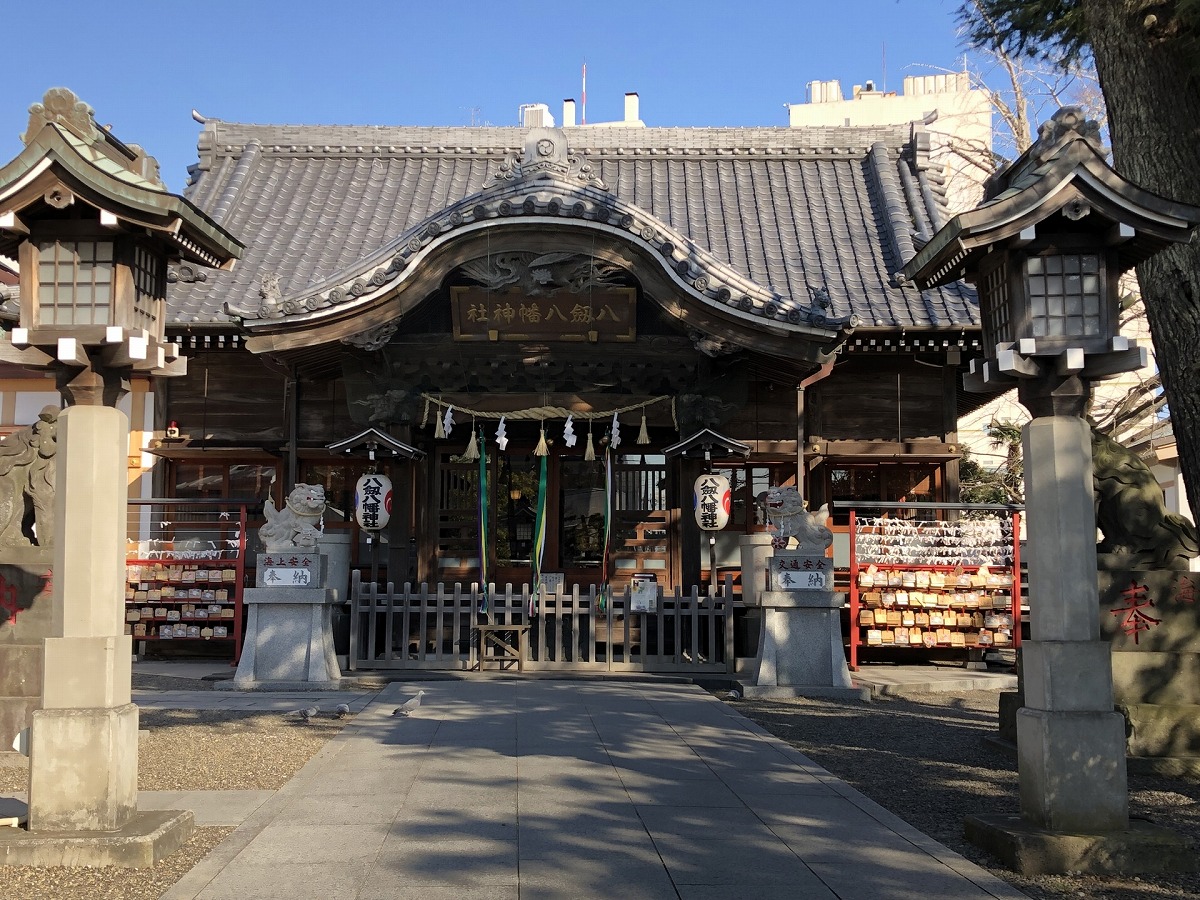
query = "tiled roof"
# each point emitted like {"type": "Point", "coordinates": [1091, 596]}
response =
{"type": "Point", "coordinates": [790, 209]}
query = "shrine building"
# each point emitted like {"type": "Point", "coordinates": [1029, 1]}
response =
{"type": "Point", "coordinates": [649, 283]}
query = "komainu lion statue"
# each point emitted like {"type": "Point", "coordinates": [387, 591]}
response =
{"type": "Point", "coordinates": [1132, 513]}
{"type": "Point", "coordinates": [296, 525]}
{"type": "Point", "coordinates": [788, 517]}
{"type": "Point", "coordinates": [27, 466]}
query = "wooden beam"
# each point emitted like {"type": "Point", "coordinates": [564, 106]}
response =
{"type": "Point", "coordinates": [1105, 365]}
{"type": "Point", "coordinates": [130, 352]}
{"type": "Point", "coordinates": [31, 357]}
{"type": "Point", "coordinates": [172, 368]}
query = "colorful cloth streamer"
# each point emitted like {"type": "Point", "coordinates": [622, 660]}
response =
{"type": "Point", "coordinates": [539, 539]}
{"type": "Point", "coordinates": [483, 525]}
{"type": "Point", "coordinates": [602, 596]}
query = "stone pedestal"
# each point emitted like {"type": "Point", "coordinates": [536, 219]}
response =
{"type": "Point", "coordinates": [1070, 741]}
{"type": "Point", "coordinates": [800, 652]}
{"type": "Point", "coordinates": [63, 769]}
{"type": "Point", "coordinates": [289, 627]}
{"type": "Point", "coordinates": [84, 741]}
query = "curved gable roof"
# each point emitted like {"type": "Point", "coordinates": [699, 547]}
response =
{"type": "Point", "coordinates": [777, 213]}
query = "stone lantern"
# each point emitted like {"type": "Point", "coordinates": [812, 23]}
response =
{"type": "Point", "coordinates": [1045, 249]}
{"type": "Point", "coordinates": [93, 230]}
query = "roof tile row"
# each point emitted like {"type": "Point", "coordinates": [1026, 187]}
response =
{"type": "Point", "coordinates": [791, 209]}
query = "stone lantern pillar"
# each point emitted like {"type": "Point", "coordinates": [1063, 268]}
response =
{"type": "Point", "coordinates": [93, 230]}
{"type": "Point", "coordinates": [1045, 250]}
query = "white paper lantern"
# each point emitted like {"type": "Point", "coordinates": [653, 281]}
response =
{"type": "Point", "coordinates": [373, 501]}
{"type": "Point", "coordinates": [711, 498]}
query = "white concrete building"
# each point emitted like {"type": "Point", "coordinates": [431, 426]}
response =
{"type": "Point", "coordinates": [957, 117]}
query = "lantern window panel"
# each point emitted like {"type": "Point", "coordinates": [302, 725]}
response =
{"type": "Point", "coordinates": [75, 282]}
{"type": "Point", "coordinates": [994, 291]}
{"type": "Point", "coordinates": [149, 290]}
{"type": "Point", "coordinates": [1064, 295]}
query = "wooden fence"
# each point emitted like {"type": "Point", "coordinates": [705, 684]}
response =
{"type": "Point", "coordinates": [436, 629]}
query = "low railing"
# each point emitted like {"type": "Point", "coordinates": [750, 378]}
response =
{"type": "Point", "coordinates": [435, 629]}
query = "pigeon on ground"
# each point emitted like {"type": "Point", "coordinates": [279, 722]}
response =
{"type": "Point", "coordinates": [408, 705]}
{"type": "Point", "coordinates": [733, 695]}
{"type": "Point", "coordinates": [306, 713]}
{"type": "Point", "coordinates": [343, 710]}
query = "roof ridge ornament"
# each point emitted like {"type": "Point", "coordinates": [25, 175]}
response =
{"type": "Point", "coordinates": [1056, 136]}
{"type": "Point", "coordinates": [1067, 120]}
{"type": "Point", "coordinates": [61, 106]}
{"type": "Point", "coordinates": [547, 154]}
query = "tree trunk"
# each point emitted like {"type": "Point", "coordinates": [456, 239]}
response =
{"type": "Point", "coordinates": [1154, 122]}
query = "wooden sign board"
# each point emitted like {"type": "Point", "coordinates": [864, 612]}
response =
{"type": "Point", "coordinates": [609, 314]}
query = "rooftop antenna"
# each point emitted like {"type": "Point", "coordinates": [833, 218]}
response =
{"type": "Point", "coordinates": [885, 67]}
{"type": "Point", "coordinates": [583, 111]}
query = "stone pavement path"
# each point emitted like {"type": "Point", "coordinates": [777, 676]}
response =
{"type": "Point", "coordinates": [572, 789]}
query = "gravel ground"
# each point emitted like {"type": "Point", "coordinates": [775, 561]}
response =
{"type": "Point", "coordinates": [106, 883]}
{"type": "Point", "coordinates": [208, 750]}
{"type": "Point", "coordinates": [924, 759]}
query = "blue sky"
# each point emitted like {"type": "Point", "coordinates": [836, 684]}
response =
{"type": "Point", "coordinates": [145, 64]}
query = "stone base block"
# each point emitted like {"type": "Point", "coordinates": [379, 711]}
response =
{"type": "Point", "coordinates": [1010, 702]}
{"type": "Point", "coordinates": [816, 691]}
{"type": "Point", "coordinates": [1141, 848]}
{"type": "Point", "coordinates": [1072, 768]}
{"type": "Point", "coordinates": [801, 643]}
{"type": "Point", "coordinates": [148, 837]}
{"type": "Point", "coordinates": [83, 768]}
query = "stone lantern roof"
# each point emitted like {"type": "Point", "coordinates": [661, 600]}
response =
{"type": "Point", "coordinates": [1062, 182]}
{"type": "Point", "coordinates": [68, 156]}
